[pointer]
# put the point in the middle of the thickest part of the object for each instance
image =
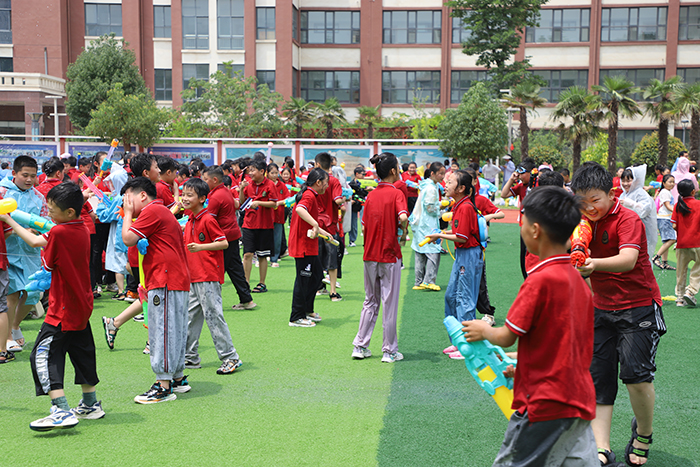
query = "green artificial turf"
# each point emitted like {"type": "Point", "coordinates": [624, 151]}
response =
{"type": "Point", "coordinates": [299, 399]}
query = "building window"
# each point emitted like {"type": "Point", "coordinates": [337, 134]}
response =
{"type": "Point", "coordinates": [198, 71]}
{"type": "Point", "coordinates": [402, 87]}
{"type": "Point", "coordinates": [266, 77]}
{"type": "Point", "coordinates": [689, 75]}
{"type": "Point", "coordinates": [318, 86]}
{"type": "Point", "coordinates": [640, 77]}
{"type": "Point", "coordinates": [161, 21]}
{"type": "Point", "coordinates": [295, 82]}
{"type": "Point", "coordinates": [295, 23]}
{"type": "Point", "coordinates": [633, 135]}
{"type": "Point", "coordinates": [265, 23]}
{"type": "Point", "coordinates": [164, 85]}
{"type": "Point", "coordinates": [570, 25]}
{"type": "Point", "coordinates": [633, 24]}
{"type": "Point", "coordinates": [412, 27]}
{"type": "Point", "coordinates": [231, 69]}
{"type": "Point", "coordinates": [689, 24]}
{"type": "Point", "coordinates": [330, 27]}
{"type": "Point", "coordinates": [5, 22]}
{"type": "Point", "coordinates": [559, 80]}
{"type": "Point", "coordinates": [6, 65]}
{"type": "Point", "coordinates": [103, 18]}
{"type": "Point", "coordinates": [230, 25]}
{"type": "Point", "coordinates": [462, 81]}
{"type": "Point", "coordinates": [460, 33]}
{"type": "Point", "coordinates": [195, 24]}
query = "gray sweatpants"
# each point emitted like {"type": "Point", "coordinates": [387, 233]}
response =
{"type": "Point", "coordinates": [167, 332]}
{"type": "Point", "coordinates": [382, 282]}
{"type": "Point", "coordinates": [427, 265]}
{"type": "Point", "coordinates": [206, 304]}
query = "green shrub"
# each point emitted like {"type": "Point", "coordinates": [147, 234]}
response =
{"type": "Point", "coordinates": [647, 151]}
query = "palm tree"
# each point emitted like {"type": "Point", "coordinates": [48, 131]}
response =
{"type": "Point", "coordinates": [614, 98]}
{"type": "Point", "coordinates": [687, 100]}
{"type": "Point", "coordinates": [369, 116]}
{"type": "Point", "coordinates": [573, 104]}
{"type": "Point", "coordinates": [525, 96]}
{"type": "Point", "coordinates": [661, 108]}
{"type": "Point", "coordinates": [298, 111]}
{"type": "Point", "coordinates": [329, 113]}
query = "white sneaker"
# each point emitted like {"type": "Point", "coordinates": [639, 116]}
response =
{"type": "Point", "coordinates": [352, 244]}
{"type": "Point", "coordinates": [59, 418]}
{"type": "Point", "coordinates": [88, 412]}
{"type": "Point", "coordinates": [690, 300]}
{"type": "Point", "coordinates": [302, 323]}
{"type": "Point", "coordinates": [360, 353]}
{"type": "Point", "coordinates": [392, 357]}
{"type": "Point", "coordinates": [315, 317]}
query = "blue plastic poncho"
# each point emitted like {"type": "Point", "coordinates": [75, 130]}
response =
{"type": "Point", "coordinates": [425, 217]}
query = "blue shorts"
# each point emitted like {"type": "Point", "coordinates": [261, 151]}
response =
{"type": "Point", "coordinates": [666, 230]}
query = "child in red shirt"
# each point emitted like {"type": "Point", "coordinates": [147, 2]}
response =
{"type": "Point", "coordinates": [53, 168]}
{"type": "Point", "coordinates": [303, 247]}
{"type": "Point", "coordinates": [167, 280]}
{"type": "Point", "coordinates": [518, 185]}
{"type": "Point", "coordinates": [258, 224]}
{"type": "Point", "coordinates": [385, 214]}
{"type": "Point", "coordinates": [282, 193]}
{"type": "Point", "coordinates": [413, 176]}
{"type": "Point", "coordinates": [628, 318]}
{"type": "Point", "coordinates": [205, 243]}
{"type": "Point", "coordinates": [552, 320]}
{"type": "Point", "coordinates": [686, 220]}
{"type": "Point", "coordinates": [66, 328]}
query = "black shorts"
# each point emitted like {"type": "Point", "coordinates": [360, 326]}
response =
{"type": "Point", "coordinates": [258, 241]}
{"type": "Point", "coordinates": [628, 338]}
{"type": "Point", "coordinates": [328, 253]}
{"type": "Point", "coordinates": [48, 358]}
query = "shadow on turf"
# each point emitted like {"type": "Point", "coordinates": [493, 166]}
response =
{"type": "Point", "coordinates": [665, 458]}
{"type": "Point", "coordinates": [422, 355]}
{"type": "Point", "coordinates": [201, 389]}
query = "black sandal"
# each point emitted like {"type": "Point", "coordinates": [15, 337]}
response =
{"type": "Point", "coordinates": [260, 288]}
{"type": "Point", "coordinates": [630, 449]}
{"type": "Point", "coordinates": [609, 457]}
{"type": "Point", "coordinates": [6, 357]}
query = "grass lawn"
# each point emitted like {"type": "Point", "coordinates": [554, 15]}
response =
{"type": "Point", "coordinates": [299, 399]}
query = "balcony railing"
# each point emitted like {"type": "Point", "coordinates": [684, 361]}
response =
{"type": "Point", "coordinates": [33, 82]}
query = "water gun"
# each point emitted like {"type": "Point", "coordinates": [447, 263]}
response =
{"type": "Point", "coordinates": [367, 182]}
{"type": "Point", "coordinates": [8, 205]}
{"type": "Point", "coordinates": [347, 193]}
{"type": "Point", "coordinates": [289, 202]}
{"type": "Point", "coordinates": [142, 246]}
{"type": "Point", "coordinates": [183, 220]}
{"type": "Point", "coordinates": [91, 186]}
{"type": "Point", "coordinates": [107, 162]}
{"type": "Point", "coordinates": [327, 239]}
{"type": "Point", "coordinates": [246, 204]}
{"type": "Point", "coordinates": [580, 240]}
{"type": "Point", "coordinates": [293, 188]}
{"type": "Point", "coordinates": [447, 203]}
{"type": "Point", "coordinates": [300, 180]}
{"type": "Point", "coordinates": [412, 184]}
{"type": "Point", "coordinates": [40, 281]}
{"type": "Point", "coordinates": [486, 363]}
{"type": "Point", "coordinates": [32, 221]}
{"type": "Point", "coordinates": [447, 216]}
{"type": "Point", "coordinates": [654, 184]}
{"type": "Point", "coordinates": [359, 199]}
{"type": "Point", "coordinates": [427, 240]}
{"type": "Point", "coordinates": [110, 209]}
{"type": "Point", "coordinates": [441, 189]}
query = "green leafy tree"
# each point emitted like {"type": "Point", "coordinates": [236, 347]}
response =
{"type": "Point", "coordinates": [542, 154]}
{"type": "Point", "coordinates": [687, 100]}
{"type": "Point", "coordinates": [526, 98]}
{"type": "Point", "coordinates": [476, 129]}
{"type": "Point", "coordinates": [426, 127]}
{"type": "Point", "coordinates": [597, 152]}
{"type": "Point", "coordinates": [661, 108]}
{"type": "Point", "coordinates": [496, 30]}
{"type": "Point", "coordinates": [546, 137]}
{"type": "Point", "coordinates": [98, 68]}
{"type": "Point", "coordinates": [132, 119]}
{"type": "Point", "coordinates": [573, 106]}
{"type": "Point", "coordinates": [647, 151]}
{"type": "Point", "coordinates": [329, 113]}
{"type": "Point", "coordinates": [369, 116]}
{"type": "Point", "coordinates": [614, 98]}
{"type": "Point", "coordinates": [230, 105]}
{"type": "Point", "coordinates": [298, 112]}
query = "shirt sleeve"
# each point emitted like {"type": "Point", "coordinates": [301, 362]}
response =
{"type": "Point", "coordinates": [523, 312]}
{"type": "Point", "coordinates": [214, 231]}
{"type": "Point", "coordinates": [337, 192]}
{"type": "Point", "coordinates": [48, 259]}
{"type": "Point", "coordinates": [165, 195]}
{"type": "Point", "coordinates": [674, 214]}
{"type": "Point", "coordinates": [462, 226]}
{"type": "Point", "coordinates": [146, 224]}
{"type": "Point", "coordinates": [630, 233]}
{"type": "Point", "coordinates": [401, 205]}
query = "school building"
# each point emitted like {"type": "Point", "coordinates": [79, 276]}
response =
{"type": "Point", "coordinates": [363, 52]}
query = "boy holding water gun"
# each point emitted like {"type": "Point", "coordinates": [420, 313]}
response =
{"type": "Point", "coordinates": [552, 319]}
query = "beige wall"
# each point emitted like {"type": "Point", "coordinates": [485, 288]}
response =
{"type": "Point", "coordinates": [552, 57]}
{"type": "Point", "coordinates": [329, 57]}
{"type": "Point", "coordinates": [631, 56]}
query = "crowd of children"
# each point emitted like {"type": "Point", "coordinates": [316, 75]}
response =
{"type": "Point", "coordinates": [173, 267]}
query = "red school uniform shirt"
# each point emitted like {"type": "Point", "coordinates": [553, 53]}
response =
{"type": "Point", "coordinates": [205, 266]}
{"type": "Point", "coordinates": [465, 223]}
{"type": "Point", "coordinates": [688, 225]}
{"type": "Point", "coordinates": [328, 216]}
{"type": "Point", "coordinates": [300, 244]}
{"type": "Point", "coordinates": [223, 207]}
{"type": "Point", "coordinates": [416, 178]}
{"type": "Point", "coordinates": [382, 209]}
{"type": "Point", "coordinates": [519, 191]}
{"type": "Point", "coordinates": [165, 263]}
{"type": "Point", "coordinates": [261, 218]}
{"type": "Point", "coordinates": [164, 192]}
{"type": "Point", "coordinates": [45, 186]}
{"type": "Point", "coordinates": [85, 217]}
{"type": "Point", "coordinates": [403, 188]}
{"type": "Point", "coordinates": [70, 295]}
{"type": "Point", "coordinates": [553, 318]}
{"type": "Point", "coordinates": [622, 228]}
{"type": "Point", "coordinates": [485, 206]}
{"type": "Point", "coordinates": [282, 193]}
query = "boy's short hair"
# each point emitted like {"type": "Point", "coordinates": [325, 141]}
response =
{"type": "Point", "coordinates": [323, 159]}
{"type": "Point", "coordinates": [140, 162]}
{"type": "Point", "coordinates": [215, 171]}
{"type": "Point", "coordinates": [565, 172]}
{"type": "Point", "coordinates": [591, 176]}
{"type": "Point", "coordinates": [259, 155]}
{"type": "Point", "coordinates": [166, 163]}
{"type": "Point", "coordinates": [139, 184]}
{"type": "Point", "coordinates": [550, 178]}
{"type": "Point", "coordinates": [228, 183]}
{"type": "Point", "coordinates": [24, 161]}
{"type": "Point", "coordinates": [66, 195]}
{"type": "Point", "coordinates": [259, 164]}
{"type": "Point", "coordinates": [198, 185]}
{"type": "Point", "coordinates": [70, 160]}
{"type": "Point", "coordinates": [4, 165]}
{"type": "Point", "coordinates": [555, 210]}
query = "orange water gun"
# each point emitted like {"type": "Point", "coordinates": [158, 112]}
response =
{"type": "Point", "coordinates": [580, 241]}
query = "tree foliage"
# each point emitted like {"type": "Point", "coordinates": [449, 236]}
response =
{"type": "Point", "coordinates": [526, 98]}
{"type": "Point", "coordinates": [687, 100]}
{"type": "Point", "coordinates": [476, 129]}
{"type": "Point", "coordinates": [597, 152]}
{"type": "Point", "coordinates": [661, 108]}
{"type": "Point", "coordinates": [98, 68]}
{"type": "Point", "coordinates": [573, 106]}
{"type": "Point", "coordinates": [298, 111]}
{"type": "Point", "coordinates": [132, 119]}
{"type": "Point", "coordinates": [647, 151]}
{"type": "Point", "coordinates": [496, 31]}
{"type": "Point", "coordinates": [329, 113]}
{"type": "Point", "coordinates": [369, 116]}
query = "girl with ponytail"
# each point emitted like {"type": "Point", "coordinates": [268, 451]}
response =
{"type": "Point", "coordinates": [686, 220]}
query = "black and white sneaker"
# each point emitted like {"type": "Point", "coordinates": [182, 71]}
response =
{"type": "Point", "coordinates": [89, 412]}
{"type": "Point", "coordinates": [156, 394]}
{"type": "Point", "coordinates": [180, 386]}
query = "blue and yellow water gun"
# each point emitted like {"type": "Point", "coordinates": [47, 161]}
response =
{"type": "Point", "coordinates": [32, 221]}
{"type": "Point", "coordinates": [40, 281]}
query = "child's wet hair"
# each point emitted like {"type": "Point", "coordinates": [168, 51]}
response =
{"type": "Point", "coordinates": [65, 196]}
{"type": "Point", "coordinates": [432, 168]}
{"type": "Point", "coordinates": [591, 176]}
{"type": "Point", "coordinates": [139, 184]}
{"type": "Point", "coordinates": [141, 162]}
{"type": "Point", "coordinates": [24, 161]}
{"type": "Point", "coordinates": [198, 185]}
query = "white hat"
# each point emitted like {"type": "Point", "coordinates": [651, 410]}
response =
{"type": "Point", "coordinates": [507, 156]}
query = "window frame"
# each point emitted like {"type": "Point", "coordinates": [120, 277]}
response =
{"type": "Point", "coordinates": [659, 73]}
{"type": "Point", "coordinates": [165, 77]}
{"type": "Point", "coordinates": [266, 78]}
{"type": "Point", "coordinates": [269, 23]}
{"type": "Point", "coordinates": [389, 32]}
{"type": "Point", "coordinates": [460, 91]}
{"type": "Point", "coordinates": [232, 23]}
{"type": "Point", "coordinates": [411, 92]}
{"type": "Point", "coordinates": [6, 34]}
{"type": "Point", "coordinates": [459, 33]}
{"type": "Point", "coordinates": [557, 23]}
{"type": "Point", "coordinates": [683, 73]}
{"type": "Point", "coordinates": [201, 39]}
{"type": "Point", "coordinates": [6, 60]}
{"type": "Point", "coordinates": [684, 25]}
{"type": "Point", "coordinates": [330, 32]}
{"type": "Point", "coordinates": [333, 90]}
{"type": "Point", "coordinates": [608, 27]}
{"type": "Point", "coordinates": [198, 67]}
{"type": "Point", "coordinates": [109, 28]}
{"type": "Point", "coordinates": [548, 92]}
{"type": "Point", "coordinates": [166, 29]}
